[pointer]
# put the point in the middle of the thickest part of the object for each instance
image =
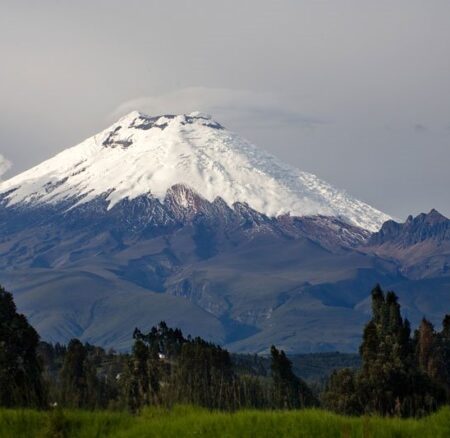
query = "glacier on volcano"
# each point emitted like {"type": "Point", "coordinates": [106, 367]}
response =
{"type": "Point", "coordinates": [140, 155]}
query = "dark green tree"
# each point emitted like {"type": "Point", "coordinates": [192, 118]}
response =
{"type": "Point", "coordinates": [142, 377]}
{"type": "Point", "coordinates": [446, 328]}
{"type": "Point", "coordinates": [73, 379]}
{"type": "Point", "coordinates": [341, 394]}
{"type": "Point", "coordinates": [80, 386]}
{"type": "Point", "coordinates": [288, 390]}
{"type": "Point", "coordinates": [444, 341]}
{"type": "Point", "coordinates": [204, 375]}
{"type": "Point", "coordinates": [432, 351]}
{"type": "Point", "coordinates": [399, 376]}
{"type": "Point", "coordinates": [428, 349]}
{"type": "Point", "coordinates": [20, 370]}
{"type": "Point", "coordinates": [377, 304]}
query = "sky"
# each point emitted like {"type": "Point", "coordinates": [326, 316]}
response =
{"type": "Point", "coordinates": [356, 92]}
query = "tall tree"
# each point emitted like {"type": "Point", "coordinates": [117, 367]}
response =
{"type": "Point", "coordinates": [204, 374]}
{"type": "Point", "coordinates": [399, 376]}
{"type": "Point", "coordinates": [445, 349]}
{"type": "Point", "coordinates": [426, 346]}
{"type": "Point", "coordinates": [288, 390]}
{"type": "Point", "coordinates": [79, 384]}
{"type": "Point", "coordinates": [73, 376]}
{"type": "Point", "coordinates": [433, 353]}
{"type": "Point", "coordinates": [20, 370]}
{"type": "Point", "coordinates": [341, 394]}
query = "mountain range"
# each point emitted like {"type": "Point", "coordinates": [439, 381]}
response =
{"type": "Point", "coordinates": [176, 218]}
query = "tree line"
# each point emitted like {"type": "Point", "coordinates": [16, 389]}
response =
{"type": "Point", "coordinates": [164, 368]}
{"type": "Point", "coordinates": [402, 374]}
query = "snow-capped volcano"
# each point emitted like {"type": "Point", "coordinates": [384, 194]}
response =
{"type": "Point", "coordinates": [141, 155]}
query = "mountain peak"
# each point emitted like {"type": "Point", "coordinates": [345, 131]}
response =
{"type": "Point", "coordinates": [147, 155]}
{"type": "Point", "coordinates": [425, 226]}
{"type": "Point", "coordinates": [428, 219]}
{"type": "Point", "coordinates": [136, 114]}
{"type": "Point", "coordinates": [435, 216]}
{"type": "Point", "coordinates": [136, 120]}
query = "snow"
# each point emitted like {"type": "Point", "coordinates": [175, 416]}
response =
{"type": "Point", "coordinates": [141, 155]}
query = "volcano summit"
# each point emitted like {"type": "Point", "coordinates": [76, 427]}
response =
{"type": "Point", "coordinates": [142, 155]}
{"type": "Point", "coordinates": [175, 218]}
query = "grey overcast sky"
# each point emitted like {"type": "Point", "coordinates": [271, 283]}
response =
{"type": "Point", "coordinates": [357, 92]}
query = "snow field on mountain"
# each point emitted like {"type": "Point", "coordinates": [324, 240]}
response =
{"type": "Point", "coordinates": [141, 155]}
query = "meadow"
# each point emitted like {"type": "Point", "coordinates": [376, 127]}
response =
{"type": "Point", "coordinates": [187, 421]}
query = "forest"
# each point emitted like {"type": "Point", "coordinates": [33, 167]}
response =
{"type": "Point", "coordinates": [402, 373]}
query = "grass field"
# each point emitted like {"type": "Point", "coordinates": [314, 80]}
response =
{"type": "Point", "coordinates": [194, 422]}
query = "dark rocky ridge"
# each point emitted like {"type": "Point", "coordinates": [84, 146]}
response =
{"type": "Point", "coordinates": [147, 217]}
{"type": "Point", "coordinates": [420, 245]}
{"type": "Point", "coordinates": [431, 226]}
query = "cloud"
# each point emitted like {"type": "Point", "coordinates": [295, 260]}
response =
{"type": "Point", "coordinates": [238, 107]}
{"type": "Point", "coordinates": [419, 127]}
{"type": "Point", "coordinates": [5, 165]}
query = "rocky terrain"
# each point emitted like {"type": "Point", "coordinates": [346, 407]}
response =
{"type": "Point", "coordinates": [174, 218]}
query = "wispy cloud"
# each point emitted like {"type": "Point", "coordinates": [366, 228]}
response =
{"type": "Point", "coordinates": [419, 127]}
{"type": "Point", "coordinates": [249, 108]}
{"type": "Point", "coordinates": [4, 166]}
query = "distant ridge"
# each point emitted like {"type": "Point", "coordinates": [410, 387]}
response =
{"type": "Point", "coordinates": [421, 244]}
{"type": "Point", "coordinates": [431, 226]}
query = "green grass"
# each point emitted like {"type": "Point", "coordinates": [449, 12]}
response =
{"type": "Point", "coordinates": [195, 422]}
